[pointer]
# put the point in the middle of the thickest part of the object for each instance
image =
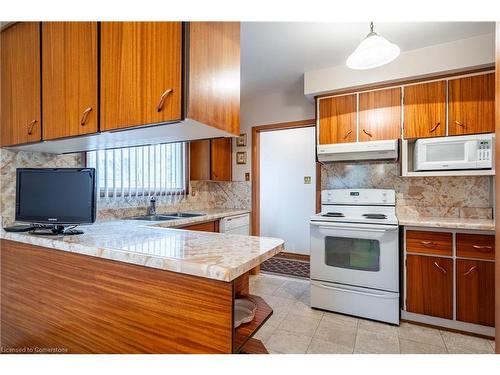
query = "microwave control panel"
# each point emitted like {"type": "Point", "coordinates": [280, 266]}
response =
{"type": "Point", "coordinates": [484, 150]}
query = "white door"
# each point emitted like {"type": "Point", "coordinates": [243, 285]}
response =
{"type": "Point", "coordinates": [288, 186]}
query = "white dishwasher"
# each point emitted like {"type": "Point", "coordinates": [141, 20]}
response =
{"type": "Point", "coordinates": [239, 224]}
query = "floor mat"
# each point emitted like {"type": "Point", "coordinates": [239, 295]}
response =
{"type": "Point", "coordinates": [284, 266]}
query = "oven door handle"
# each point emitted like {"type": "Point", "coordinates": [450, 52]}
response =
{"type": "Point", "coordinates": [364, 228]}
{"type": "Point", "coordinates": [348, 290]}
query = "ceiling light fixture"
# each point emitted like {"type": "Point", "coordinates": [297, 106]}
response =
{"type": "Point", "coordinates": [372, 52]}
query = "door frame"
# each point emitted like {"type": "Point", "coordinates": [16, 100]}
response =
{"type": "Point", "coordinates": [256, 130]}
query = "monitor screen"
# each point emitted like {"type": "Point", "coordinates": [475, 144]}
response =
{"type": "Point", "coordinates": [56, 195]}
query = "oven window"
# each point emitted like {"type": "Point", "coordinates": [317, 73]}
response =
{"type": "Point", "coordinates": [352, 253]}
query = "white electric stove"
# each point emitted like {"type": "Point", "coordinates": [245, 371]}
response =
{"type": "Point", "coordinates": [355, 254]}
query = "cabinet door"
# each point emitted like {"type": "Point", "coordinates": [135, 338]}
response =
{"type": "Point", "coordinates": [69, 76]}
{"type": "Point", "coordinates": [214, 74]}
{"type": "Point", "coordinates": [220, 161]}
{"type": "Point", "coordinates": [380, 115]}
{"type": "Point", "coordinates": [476, 292]}
{"type": "Point", "coordinates": [199, 160]}
{"type": "Point", "coordinates": [471, 105]}
{"type": "Point", "coordinates": [140, 73]}
{"type": "Point", "coordinates": [337, 119]}
{"type": "Point", "coordinates": [20, 84]}
{"type": "Point", "coordinates": [425, 110]}
{"type": "Point", "coordinates": [210, 226]}
{"type": "Point", "coordinates": [429, 285]}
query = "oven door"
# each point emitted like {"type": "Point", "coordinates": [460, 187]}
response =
{"type": "Point", "coordinates": [365, 255]}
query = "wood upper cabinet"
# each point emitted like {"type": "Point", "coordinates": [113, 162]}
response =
{"type": "Point", "coordinates": [476, 292]}
{"type": "Point", "coordinates": [20, 112]}
{"type": "Point", "coordinates": [425, 110]}
{"type": "Point", "coordinates": [214, 74]}
{"type": "Point", "coordinates": [140, 73]}
{"type": "Point", "coordinates": [471, 105]}
{"type": "Point", "coordinates": [429, 285]}
{"type": "Point", "coordinates": [337, 119]}
{"type": "Point", "coordinates": [211, 159]}
{"type": "Point", "coordinates": [380, 115]}
{"type": "Point", "coordinates": [69, 76]}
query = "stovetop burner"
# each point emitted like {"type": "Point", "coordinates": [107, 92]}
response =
{"type": "Point", "coordinates": [333, 214]}
{"type": "Point", "coordinates": [375, 216]}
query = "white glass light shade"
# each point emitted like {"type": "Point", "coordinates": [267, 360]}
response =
{"type": "Point", "coordinates": [372, 52]}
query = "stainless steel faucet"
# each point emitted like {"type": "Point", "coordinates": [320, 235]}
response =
{"type": "Point", "coordinates": [152, 206]}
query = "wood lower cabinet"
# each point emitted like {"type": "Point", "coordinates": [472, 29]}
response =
{"type": "Point", "coordinates": [211, 159]}
{"type": "Point", "coordinates": [337, 119]}
{"type": "Point", "coordinates": [20, 112]}
{"type": "Point", "coordinates": [471, 105]}
{"type": "Point", "coordinates": [209, 226]}
{"type": "Point", "coordinates": [429, 285]}
{"type": "Point", "coordinates": [69, 75]}
{"type": "Point", "coordinates": [478, 246]}
{"type": "Point", "coordinates": [475, 281]}
{"type": "Point", "coordinates": [380, 115]}
{"type": "Point", "coordinates": [427, 242]}
{"type": "Point", "coordinates": [425, 110]}
{"type": "Point", "coordinates": [140, 73]}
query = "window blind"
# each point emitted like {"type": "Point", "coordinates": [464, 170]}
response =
{"type": "Point", "coordinates": [140, 171]}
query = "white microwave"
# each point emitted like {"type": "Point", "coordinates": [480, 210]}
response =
{"type": "Point", "coordinates": [460, 152]}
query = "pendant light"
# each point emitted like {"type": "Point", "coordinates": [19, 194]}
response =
{"type": "Point", "coordinates": [372, 52]}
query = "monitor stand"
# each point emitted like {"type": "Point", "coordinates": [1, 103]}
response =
{"type": "Point", "coordinates": [56, 230]}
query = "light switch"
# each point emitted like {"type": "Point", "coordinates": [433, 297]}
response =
{"type": "Point", "coordinates": [247, 176]}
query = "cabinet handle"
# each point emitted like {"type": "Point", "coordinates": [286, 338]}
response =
{"type": "Point", "coordinates": [31, 125]}
{"type": "Point", "coordinates": [440, 268]}
{"type": "Point", "coordinates": [85, 116]}
{"type": "Point", "coordinates": [470, 270]}
{"type": "Point", "coordinates": [163, 97]}
{"type": "Point", "coordinates": [347, 134]}
{"type": "Point", "coordinates": [435, 127]}
{"type": "Point", "coordinates": [460, 124]}
{"type": "Point", "coordinates": [428, 243]}
{"type": "Point", "coordinates": [484, 249]}
{"type": "Point", "coordinates": [368, 134]}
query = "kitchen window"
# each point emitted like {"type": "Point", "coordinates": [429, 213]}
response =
{"type": "Point", "coordinates": [140, 171]}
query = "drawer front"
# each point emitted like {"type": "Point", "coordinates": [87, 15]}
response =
{"type": "Point", "coordinates": [210, 226]}
{"type": "Point", "coordinates": [479, 246]}
{"type": "Point", "coordinates": [425, 242]}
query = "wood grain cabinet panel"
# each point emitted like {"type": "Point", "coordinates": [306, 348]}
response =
{"type": "Point", "coordinates": [425, 110]}
{"type": "Point", "coordinates": [214, 74]}
{"type": "Point", "coordinates": [199, 160]}
{"type": "Point", "coordinates": [476, 292]}
{"type": "Point", "coordinates": [209, 226]}
{"type": "Point", "coordinates": [380, 115]}
{"type": "Point", "coordinates": [479, 246]}
{"type": "Point", "coordinates": [471, 102]}
{"type": "Point", "coordinates": [20, 112]}
{"type": "Point", "coordinates": [429, 286]}
{"type": "Point", "coordinates": [211, 159]}
{"type": "Point", "coordinates": [426, 242]}
{"type": "Point", "coordinates": [69, 76]}
{"type": "Point", "coordinates": [140, 73]}
{"type": "Point", "coordinates": [337, 119]}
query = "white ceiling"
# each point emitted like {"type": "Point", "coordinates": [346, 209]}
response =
{"type": "Point", "coordinates": [275, 55]}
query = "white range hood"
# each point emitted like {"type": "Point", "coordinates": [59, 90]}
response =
{"type": "Point", "coordinates": [359, 151]}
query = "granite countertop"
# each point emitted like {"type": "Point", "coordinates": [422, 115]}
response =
{"type": "Point", "coordinates": [216, 256]}
{"type": "Point", "coordinates": [446, 222]}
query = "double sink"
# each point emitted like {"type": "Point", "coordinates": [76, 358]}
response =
{"type": "Point", "coordinates": [165, 217]}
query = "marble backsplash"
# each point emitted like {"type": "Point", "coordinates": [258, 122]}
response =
{"type": "Point", "coordinates": [464, 196]}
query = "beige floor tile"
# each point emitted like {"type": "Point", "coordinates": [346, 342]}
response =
{"type": "Point", "coordinates": [457, 340]}
{"type": "Point", "coordinates": [291, 289]}
{"type": "Point", "coordinates": [414, 347]}
{"type": "Point", "coordinates": [375, 342]}
{"type": "Point", "coordinates": [340, 319]}
{"type": "Point", "coordinates": [276, 319]}
{"type": "Point", "coordinates": [318, 346]}
{"type": "Point", "coordinates": [304, 309]}
{"type": "Point", "coordinates": [301, 325]}
{"type": "Point", "coordinates": [280, 304]}
{"type": "Point", "coordinates": [420, 334]}
{"type": "Point", "coordinates": [286, 342]}
{"type": "Point", "coordinates": [377, 327]}
{"type": "Point", "coordinates": [459, 350]}
{"type": "Point", "coordinates": [336, 333]}
{"type": "Point", "coordinates": [492, 344]}
{"type": "Point", "coordinates": [265, 332]}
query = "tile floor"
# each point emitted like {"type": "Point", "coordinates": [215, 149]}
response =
{"type": "Point", "coordinates": [296, 328]}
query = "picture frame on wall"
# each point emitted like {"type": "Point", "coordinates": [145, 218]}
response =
{"type": "Point", "coordinates": [241, 141]}
{"type": "Point", "coordinates": [241, 157]}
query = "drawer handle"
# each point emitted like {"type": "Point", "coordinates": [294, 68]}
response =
{"type": "Point", "coordinates": [470, 270]}
{"type": "Point", "coordinates": [163, 97]}
{"type": "Point", "coordinates": [31, 126]}
{"type": "Point", "coordinates": [483, 249]}
{"type": "Point", "coordinates": [85, 116]}
{"type": "Point", "coordinates": [428, 243]}
{"type": "Point", "coordinates": [460, 124]}
{"type": "Point", "coordinates": [368, 134]}
{"type": "Point", "coordinates": [348, 134]}
{"type": "Point", "coordinates": [440, 268]}
{"type": "Point", "coordinates": [435, 127]}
